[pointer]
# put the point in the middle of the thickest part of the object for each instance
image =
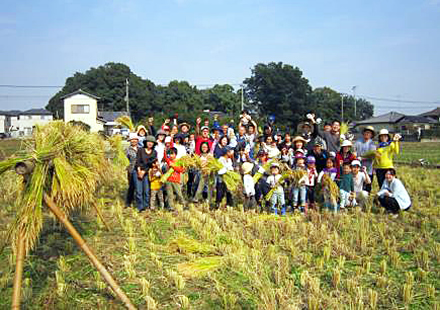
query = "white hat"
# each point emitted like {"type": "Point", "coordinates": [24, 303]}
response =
{"type": "Point", "coordinates": [168, 139]}
{"type": "Point", "coordinates": [247, 167]}
{"type": "Point", "coordinates": [356, 163]}
{"type": "Point", "coordinates": [346, 143]}
{"type": "Point", "coordinates": [384, 132]}
{"type": "Point", "coordinates": [132, 136]}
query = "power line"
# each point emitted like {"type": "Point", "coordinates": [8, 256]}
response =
{"type": "Point", "coordinates": [28, 86]}
{"type": "Point", "coordinates": [399, 100]}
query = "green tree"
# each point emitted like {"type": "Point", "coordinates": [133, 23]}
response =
{"type": "Point", "coordinates": [222, 98]}
{"type": "Point", "coordinates": [278, 89]}
{"type": "Point", "coordinates": [108, 82]}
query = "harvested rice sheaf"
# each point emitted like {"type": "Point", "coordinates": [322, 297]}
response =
{"type": "Point", "coordinates": [184, 244]}
{"type": "Point", "coordinates": [330, 186]}
{"type": "Point", "coordinates": [200, 266]}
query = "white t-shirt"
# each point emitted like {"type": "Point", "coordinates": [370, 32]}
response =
{"type": "Point", "coordinates": [248, 183]}
{"type": "Point", "coordinates": [358, 182]}
{"type": "Point", "coordinates": [272, 180]}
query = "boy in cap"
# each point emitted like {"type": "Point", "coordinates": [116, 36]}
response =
{"type": "Point", "coordinates": [360, 180]}
{"type": "Point", "coordinates": [278, 195]}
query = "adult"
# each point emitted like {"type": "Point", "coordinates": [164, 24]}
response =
{"type": "Point", "coordinates": [184, 128]}
{"type": "Point", "coordinates": [392, 195]}
{"type": "Point", "coordinates": [202, 135]}
{"type": "Point", "coordinates": [320, 155]}
{"type": "Point", "coordinates": [142, 133]}
{"type": "Point", "coordinates": [220, 146]}
{"type": "Point", "coordinates": [227, 165]}
{"type": "Point", "coordinates": [331, 138]}
{"type": "Point", "coordinates": [365, 149]}
{"type": "Point", "coordinates": [131, 178]}
{"type": "Point", "coordinates": [384, 155]}
{"type": "Point", "coordinates": [271, 147]}
{"type": "Point", "coordinates": [144, 158]}
{"type": "Point", "coordinates": [345, 155]}
{"type": "Point", "coordinates": [179, 145]}
{"type": "Point", "coordinates": [160, 145]}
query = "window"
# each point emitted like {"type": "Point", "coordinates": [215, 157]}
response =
{"type": "Point", "coordinates": [80, 108]}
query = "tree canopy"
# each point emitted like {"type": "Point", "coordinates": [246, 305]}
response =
{"type": "Point", "coordinates": [274, 88]}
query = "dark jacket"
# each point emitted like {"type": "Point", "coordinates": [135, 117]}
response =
{"type": "Point", "coordinates": [144, 160]}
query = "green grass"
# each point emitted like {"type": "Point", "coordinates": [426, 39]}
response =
{"type": "Point", "coordinates": [9, 147]}
{"type": "Point", "coordinates": [411, 152]}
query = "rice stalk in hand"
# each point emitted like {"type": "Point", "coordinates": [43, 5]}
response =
{"type": "Point", "coordinates": [126, 121]}
{"type": "Point", "coordinates": [232, 180]}
{"type": "Point", "coordinates": [284, 176]}
{"type": "Point", "coordinates": [257, 176]}
{"type": "Point", "coordinates": [185, 162]}
{"type": "Point", "coordinates": [332, 188]}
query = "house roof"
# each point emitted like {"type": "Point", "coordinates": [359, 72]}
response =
{"type": "Point", "coordinates": [36, 112]}
{"type": "Point", "coordinates": [435, 112]}
{"type": "Point", "coordinates": [80, 92]}
{"type": "Point", "coordinates": [417, 119]}
{"type": "Point", "coordinates": [391, 117]}
{"type": "Point", "coordinates": [10, 113]}
{"type": "Point", "coordinates": [27, 112]}
{"type": "Point", "coordinates": [110, 116]}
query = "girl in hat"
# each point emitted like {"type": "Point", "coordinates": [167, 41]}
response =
{"type": "Point", "coordinates": [344, 155]}
{"type": "Point", "coordinates": [299, 186]}
{"type": "Point", "coordinates": [312, 177]}
{"type": "Point", "coordinates": [299, 143]}
{"type": "Point", "coordinates": [360, 179]}
{"type": "Point", "coordinates": [142, 133]}
{"type": "Point", "coordinates": [385, 154]}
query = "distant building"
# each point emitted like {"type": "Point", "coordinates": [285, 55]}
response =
{"type": "Point", "coordinates": [397, 122]}
{"type": "Point", "coordinates": [81, 106]}
{"type": "Point", "coordinates": [434, 114]}
{"type": "Point", "coordinates": [21, 123]}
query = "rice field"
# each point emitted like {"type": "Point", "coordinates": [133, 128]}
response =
{"type": "Point", "coordinates": [230, 259]}
{"type": "Point", "coordinates": [412, 152]}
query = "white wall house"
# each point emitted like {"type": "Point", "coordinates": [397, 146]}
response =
{"type": "Point", "coordinates": [22, 123]}
{"type": "Point", "coordinates": [81, 106]}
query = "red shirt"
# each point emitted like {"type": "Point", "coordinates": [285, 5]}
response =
{"type": "Point", "coordinates": [199, 141]}
{"type": "Point", "coordinates": [347, 159]}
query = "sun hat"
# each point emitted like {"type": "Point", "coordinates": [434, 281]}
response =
{"type": "Point", "coordinates": [346, 143]}
{"type": "Point", "coordinates": [184, 124]}
{"type": "Point", "coordinates": [356, 163]}
{"type": "Point", "coordinates": [132, 136]}
{"type": "Point", "coordinates": [150, 139]}
{"type": "Point", "coordinates": [140, 127]}
{"type": "Point", "coordinates": [299, 138]}
{"type": "Point", "coordinates": [369, 128]}
{"type": "Point", "coordinates": [161, 132]}
{"type": "Point", "coordinates": [247, 167]}
{"type": "Point", "coordinates": [301, 151]}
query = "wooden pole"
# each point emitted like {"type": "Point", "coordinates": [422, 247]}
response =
{"type": "Point", "coordinates": [18, 273]}
{"type": "Point", "coordinates": [83, 245]}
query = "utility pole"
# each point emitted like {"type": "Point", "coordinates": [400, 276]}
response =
{"type": "Point", "coordinates": [242, 98]}
{"type": "Point", "coordinates": [354, 96]}
{"type": "Point", "coordinates": [342, 107]}
{"type": "Point", "coordinates": [127, 97]}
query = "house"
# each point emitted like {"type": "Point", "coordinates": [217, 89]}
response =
{"type": "Point", "coordinates": [434, 114]}
{"type": "Point", "coordinates": [388, 121]}
{"type": "Point", "coordinates": [109, 117]}
{"type": "Point", "coordinates": [81, 106]}
{"type": "Point", "coordinates": [21, 123]}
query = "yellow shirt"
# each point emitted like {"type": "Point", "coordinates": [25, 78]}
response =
{"type": "Point", "coordinates": [384, 156]}
{"type": "Point", "coordinates": [155, 183]}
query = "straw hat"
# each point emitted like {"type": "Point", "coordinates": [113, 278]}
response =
{"type": "Point", "coordinates": [132, 136]}
{"type": "Point", "coordinates": [184, 124]}
{"type": "Point", "coordinates": [369, 128]}
{"type": "Point", "coordinates": [247, 167]}
{"type": "Point", "coordinates": [299, 138]}
{"type": "Point", "coordinates": [384, 131]}
{"type": "Point", "coordinates": [140, 127]}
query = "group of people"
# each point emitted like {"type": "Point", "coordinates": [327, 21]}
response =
{"type": "Point", "coordinates": [320, 158]}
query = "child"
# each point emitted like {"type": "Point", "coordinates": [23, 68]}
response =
{"type": "Point", "coordinates": [330, 171]}
{"type": "Point", "coordinates": [299, 186]}
{"type": "Point", "coordinates": [278, 194]}
{"type": "Point", "coordinates": [312, 176]}
{"type": "Point", "coordinates": [156, 194]}
{"type": "Point", "coordinates": [249, 186]}
{"type": "Point", "coordinates": [346, 186]}
{"type": "Point", "coordinates": [202, 176]}
{"type": "Point", "coordinates": [359, 180]}
{"type": "Point", "coordinates": [222, 190]}
{"type": "Point", "coordinates": [173, 185]}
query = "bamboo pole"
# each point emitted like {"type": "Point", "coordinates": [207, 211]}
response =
{"type": "Point", "coordinates": [18, 272]}
{"type": "Point", "coordinates": [82, 244]}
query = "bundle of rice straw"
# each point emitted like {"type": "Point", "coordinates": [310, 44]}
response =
{"type": "Point", "coordinates": [257, 176]}
{"type": "Point", "coordinates": [200, 267]}
{"type": "Point", "coordinates": [296, 176]}
{"type": "Point", "coordinates": [126, 121]}
{"type": "Point", "coordinates": [118, 155]}
{"type": "Point", "coordinates": [284, 176]}
{"type": "Point", "coordinates": [331, 187]}
{"type": "Point", "coordinates": [185, 162]}
{"type": "Point", "coordinates": [232, 180]}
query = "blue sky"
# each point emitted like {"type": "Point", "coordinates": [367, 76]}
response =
{"type": "Point", "coordinates": [389, 49]}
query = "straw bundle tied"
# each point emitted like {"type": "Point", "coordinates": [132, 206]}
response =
{"type": "Point", "coordinates": [119, 157]}
{"type": "Point", "coordinates": [126, 121]}
{"type": "Point", "coordinates": [257, 176]}
{"type": "Point", "coordinates": [294, 176]}
{"type": "Point", "coordinates": [330, 186]}
{"type": "Point", "coordinates": [185, 162]}
{"type": "Point", "coordinates": [69, 165]}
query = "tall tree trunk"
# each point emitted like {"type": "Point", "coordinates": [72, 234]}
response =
{"type": "Point", "coordinates": [18, 272]}
{"type": "Point", "coordinates": [82, 244]}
